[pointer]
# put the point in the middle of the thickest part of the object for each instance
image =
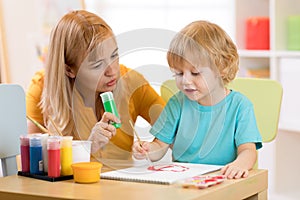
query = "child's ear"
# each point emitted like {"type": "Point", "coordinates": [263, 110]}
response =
{"type": "Point", "coordinates": [222, 73]}
{"type": "Point", "coordinates": [70, 72]}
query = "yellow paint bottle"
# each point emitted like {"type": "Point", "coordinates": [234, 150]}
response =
{"type": "Point", "coordinates": [66, 156]}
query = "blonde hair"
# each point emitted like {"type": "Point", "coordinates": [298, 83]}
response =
{"type": "Point", "coordinates": [206, 44]}
{"type": "Point", "coordinates": [75, 35]}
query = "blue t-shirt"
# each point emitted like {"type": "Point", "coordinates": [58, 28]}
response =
{"type": "Point", "coordinates": [207, 134]}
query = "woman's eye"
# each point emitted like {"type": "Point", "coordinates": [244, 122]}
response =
{"type": "Point", "coordinates": [115, 55]}
{"type": "Point", "coordinates": [97, 65]}
{"type": "Point", "coordinates": [195, 73]}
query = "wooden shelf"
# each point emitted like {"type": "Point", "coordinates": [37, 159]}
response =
{"type": "Point", "coordinates": [282, 63]}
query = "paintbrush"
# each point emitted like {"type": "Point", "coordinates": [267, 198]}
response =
{"type": "Point", "coordinates": [140, 142]}
{"type": "Point", "coordinates": [37, 124]}
{"type": "Point", "coordinates": [56, 128]}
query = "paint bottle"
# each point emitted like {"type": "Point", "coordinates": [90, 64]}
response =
{"type": "Point", "coordinates": [110, 106]}
{"type": "Point", "coordinates": [25, 158]}
{"type": "Point", "coordinates": [66, 157]}
{"type": "Point", "coordinates": [35, 154]}
{"type": "Point", "coordinates": [53, 148]}
{"type": "Point", "coordinates": [44, 138]}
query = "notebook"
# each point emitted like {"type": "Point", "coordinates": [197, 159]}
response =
{"type": "Point", "coordinates": [160, 173]}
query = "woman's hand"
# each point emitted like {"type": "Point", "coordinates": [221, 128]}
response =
{"type": "Point", "coordinates": [103, 131]}
{"type": "Point", "coordinates": [139, 150]}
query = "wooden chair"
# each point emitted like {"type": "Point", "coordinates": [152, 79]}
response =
{"type": "Point", "coordinates": [265, 94]}
{"type": "Point", "coordinates": [12, 125]}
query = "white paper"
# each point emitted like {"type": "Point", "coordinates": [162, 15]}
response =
{"type": "Point", "coordinates": [170, 172]}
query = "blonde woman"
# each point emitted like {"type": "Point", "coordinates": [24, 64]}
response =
{"type": "Point", "coordinates": [205, 122]}
{"type": "Point", "coordinates": [82, 63]}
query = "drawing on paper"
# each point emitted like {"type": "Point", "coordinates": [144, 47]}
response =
{"type": "Point", "coordinates": [169, 167]}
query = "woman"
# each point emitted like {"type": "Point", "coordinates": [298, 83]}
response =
{"type": "Point", "coordinates": [82, 63]}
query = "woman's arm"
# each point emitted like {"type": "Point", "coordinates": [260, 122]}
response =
{"type": "Point", "coordinates": [147, 102]}
{"type": "Point", "coordinates": [32, 128]}
{"type": "Point", "coordinates": [33, 98]}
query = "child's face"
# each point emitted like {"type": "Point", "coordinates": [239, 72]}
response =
{"type": "Point", "coordinates": [198, 84]}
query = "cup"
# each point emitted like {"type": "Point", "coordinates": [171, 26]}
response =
{"type": "Point", "coordinates": [81, 150]}
{"type": "Point", "coordinates": [86, 172]}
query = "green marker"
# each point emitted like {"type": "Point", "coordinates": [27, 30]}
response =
{"type": "Point", "coordinates": [110, 106]}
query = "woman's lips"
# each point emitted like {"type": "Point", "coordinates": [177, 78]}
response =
{"type": "Point", "coordinates": [112, 82]}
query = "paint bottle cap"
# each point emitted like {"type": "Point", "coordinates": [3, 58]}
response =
{"type": "Point", "coordinates": [35, 141]}
{"type": "Point", "coordinates": [66, 141]}
{"type": "Point", "coordinates": [53, 143]}
{"type": "Point", "coordinates": [24, 140]}
{"type": "Point", "coordinates": [107, 96]}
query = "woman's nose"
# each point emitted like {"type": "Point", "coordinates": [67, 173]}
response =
{"type": "Point", "coordinates": [111, 69]}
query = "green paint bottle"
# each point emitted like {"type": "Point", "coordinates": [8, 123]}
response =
{"type": "Point", "coordinates": [110, 106]}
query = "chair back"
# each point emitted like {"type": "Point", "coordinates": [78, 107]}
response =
{"type": "Point", "coordinates": [12, 125]}
{"type": "Point", "coordinates": [168, 89]}
{"type": "Point", "coordinates": [265, 94]}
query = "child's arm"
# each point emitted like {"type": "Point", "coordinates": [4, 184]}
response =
{"type": "Point", "coordinates": [245, 160]}
{"type": "Point", "coordinates": [156, 149]}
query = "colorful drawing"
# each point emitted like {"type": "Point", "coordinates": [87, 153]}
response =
{"type": "Point", "coordinates": [169, 167]}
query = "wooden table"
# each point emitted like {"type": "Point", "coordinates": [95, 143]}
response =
{"type": "Point", "coordinates": [18, 187]}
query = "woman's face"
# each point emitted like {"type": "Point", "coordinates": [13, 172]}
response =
{"type": "Point", "coordinates": [100, 71]}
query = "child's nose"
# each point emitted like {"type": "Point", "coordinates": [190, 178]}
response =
{"type": "Point", "coordinates": [186, 79]}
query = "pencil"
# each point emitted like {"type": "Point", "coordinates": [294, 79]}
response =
{"type": "Point", "coordinates": [139, 140]}
{"type": "Point", "coordinates": [37, 124]}
{"type": "Point", "coordinates": [56, 128]}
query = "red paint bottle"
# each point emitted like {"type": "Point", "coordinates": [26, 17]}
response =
{"type": "Point", "coordinates": [25, 158]}
{"type": "Point", "coordinates": [53, 148]}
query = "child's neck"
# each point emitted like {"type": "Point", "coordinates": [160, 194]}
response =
{"type": "Point", "coordinates": [214, 97]}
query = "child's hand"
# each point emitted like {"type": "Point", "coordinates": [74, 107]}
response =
{"type": "Point", "coordinates": [139, 149]}
{"type": "Point", "coordinates": [233, 171]}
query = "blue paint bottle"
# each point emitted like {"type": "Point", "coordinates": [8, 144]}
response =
{"type": "Point", "coordinates": [35, 151]}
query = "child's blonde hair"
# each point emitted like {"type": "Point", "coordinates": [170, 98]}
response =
{"type": "Point", "coordinates": [76, 35]}
{"type": "Point", "coordinates": [202, 43]}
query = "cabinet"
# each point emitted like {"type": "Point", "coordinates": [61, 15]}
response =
{"type": "Point", "coordinates": [283, 65]}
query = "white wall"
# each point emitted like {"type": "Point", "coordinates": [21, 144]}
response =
{"type": "Point", "coordinates": [20, 22]}
{"type": "Point", "coordinates": [27, 26]}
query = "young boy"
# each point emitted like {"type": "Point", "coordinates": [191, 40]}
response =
{"type": "Point", "coordinates": [205, 122]}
